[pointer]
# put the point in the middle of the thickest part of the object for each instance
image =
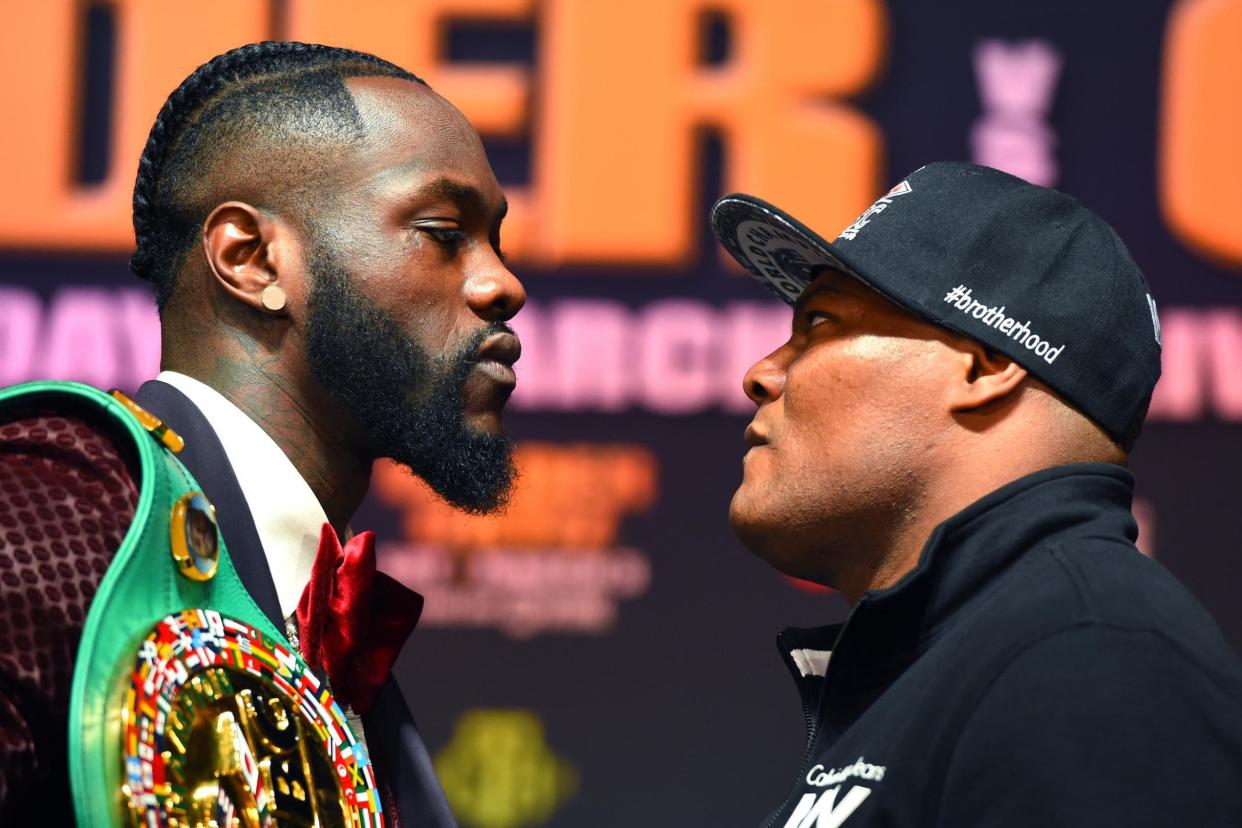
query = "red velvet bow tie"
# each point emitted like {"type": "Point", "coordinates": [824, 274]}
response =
{"type": "Point", "coordinates": [353, 619]}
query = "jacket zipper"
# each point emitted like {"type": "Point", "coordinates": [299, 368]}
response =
{"type": "Point", "coordinates": [812, 726]}
{"type": "Point", "coordinates": [812, 730]}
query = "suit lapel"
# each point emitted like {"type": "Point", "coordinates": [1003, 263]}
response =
{"type": "Point", "coordinates": [204, 457]}
{"type": "Point", "coordinates": [393, 739]}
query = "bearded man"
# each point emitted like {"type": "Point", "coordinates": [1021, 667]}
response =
{"type": "Point", "coordinates": [943, 440]}
{"type": "Point", "coordinates": [323, 234]}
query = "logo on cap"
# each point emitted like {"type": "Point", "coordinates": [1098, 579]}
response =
{"type": "Point", "coordinates": [1155, 318]}
{"type": "Point", "coordinates": [874, 210]}
{"type": "Point", "coordinates": [785, 261]}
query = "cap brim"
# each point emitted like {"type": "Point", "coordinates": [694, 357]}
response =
{"type": "Point", "coordinates": [773, 246]}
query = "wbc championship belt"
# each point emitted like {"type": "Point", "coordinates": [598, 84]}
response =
{"type": "Point", "coordinates": [189, 708]}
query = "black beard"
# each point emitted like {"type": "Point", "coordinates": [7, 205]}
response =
{"type": "Point", "coordinates": [409, 403]}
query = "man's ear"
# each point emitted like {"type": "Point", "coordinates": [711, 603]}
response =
{"type": "Point", "coordinates": [240, 243]}
{"type": "Point", "coordinates": [986, 378]}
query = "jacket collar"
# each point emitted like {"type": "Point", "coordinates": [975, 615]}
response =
{"type": "Point", "coordinates": [965, 555]}
{"type": "Point", "coordinates": [286, 513]}
{"type": "Point", "coordinates": [207, 461]}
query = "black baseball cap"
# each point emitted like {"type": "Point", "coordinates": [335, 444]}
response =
{"type": "Point", "coordinates": [1023, 269]}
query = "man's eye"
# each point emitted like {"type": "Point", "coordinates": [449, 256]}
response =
{"type": "Point", "coordinates": [447, 238]}
{"type": "Point", "coordinates": [814, 318]}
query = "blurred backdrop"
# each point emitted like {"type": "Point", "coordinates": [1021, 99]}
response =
{"type": "Point", "coordinates": [604, 653]}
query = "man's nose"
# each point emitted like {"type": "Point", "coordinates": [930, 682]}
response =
{"type": "Point", "coordinates": [496, 295]}
{"type": "Point", "coordinates": [765, 381]}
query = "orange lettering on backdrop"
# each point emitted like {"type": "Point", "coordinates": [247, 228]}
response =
{"type": "Point", "coordinates": [618, 101]}
{"type": "Point", "coordinates": [1201, 126]}
{"type": "Point", "coordinates": [158, 43]}
{"type": "Point", "coordinates": [410, 34]}
{"type": "Point", "coordinates": [621, 98]}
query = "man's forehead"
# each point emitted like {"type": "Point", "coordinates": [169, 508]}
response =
{"type": "Point", "coordinates": [380, 98]}
{"type": "Point", "coordinates": [396, 112]}
{"type": "Point", "coordinates": [465, 194]}
{"type": "Point", "coordinates": [838, 285]}
{"type": "Point", "coordinates": [854, 292]}
{"type": "Point", "coordinates": [414, 138]}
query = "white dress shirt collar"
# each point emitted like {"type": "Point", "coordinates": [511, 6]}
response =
{"type": "Point", "coordinates": [286, 512]}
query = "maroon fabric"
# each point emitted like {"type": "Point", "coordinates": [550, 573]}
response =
{"type": "Point", "coordinates": [352, 619]}
{"type": "Point", "coordinates": [67, 498]}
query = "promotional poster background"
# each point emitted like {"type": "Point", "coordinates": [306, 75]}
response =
{"type": "Point", "coordinates": [669, 705]}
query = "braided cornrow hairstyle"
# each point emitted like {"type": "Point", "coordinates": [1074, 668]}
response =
{"type": "Point", "coordinates": [248, 86]}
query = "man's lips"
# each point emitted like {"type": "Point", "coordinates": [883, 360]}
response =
{"type": "Point", "coordinates": [496, 356]}
{"type": "Point", "coordinates": [755, 437]}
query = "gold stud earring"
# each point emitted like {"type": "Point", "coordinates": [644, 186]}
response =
{"type": "Point", "coordinates": [273, 298]}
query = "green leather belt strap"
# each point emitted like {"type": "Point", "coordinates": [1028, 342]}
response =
{"type": "Point", "coordinates": [142, 586]}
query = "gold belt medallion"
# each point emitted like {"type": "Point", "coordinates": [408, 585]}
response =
{"type": "Point", "coordinates": [223, 726]}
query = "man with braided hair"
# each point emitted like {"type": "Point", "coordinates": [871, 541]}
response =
{"type": "Point", "coordinates": [322, 231]}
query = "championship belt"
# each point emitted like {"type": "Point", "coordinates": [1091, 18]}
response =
{"type": "Point", "coordinates": [189, 707]}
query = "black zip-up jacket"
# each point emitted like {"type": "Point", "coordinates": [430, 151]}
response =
{"type": "Point", "coordinates": [1034, 669]}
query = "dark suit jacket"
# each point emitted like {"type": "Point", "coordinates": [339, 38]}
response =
{"type": "Point", "coordinates": [68, 493]}
{"type": "Point", "coordinates": [395, 745]}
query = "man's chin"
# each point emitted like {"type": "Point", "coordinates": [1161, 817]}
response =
{"type": "Point", "coordinates": [475, 475]}
{"type": "Point", "coordinates": [767, 536]}
{"type": "Point", "coordinates": [747, 520]}
{"type": "Point", "coordinates": [471, 500]}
